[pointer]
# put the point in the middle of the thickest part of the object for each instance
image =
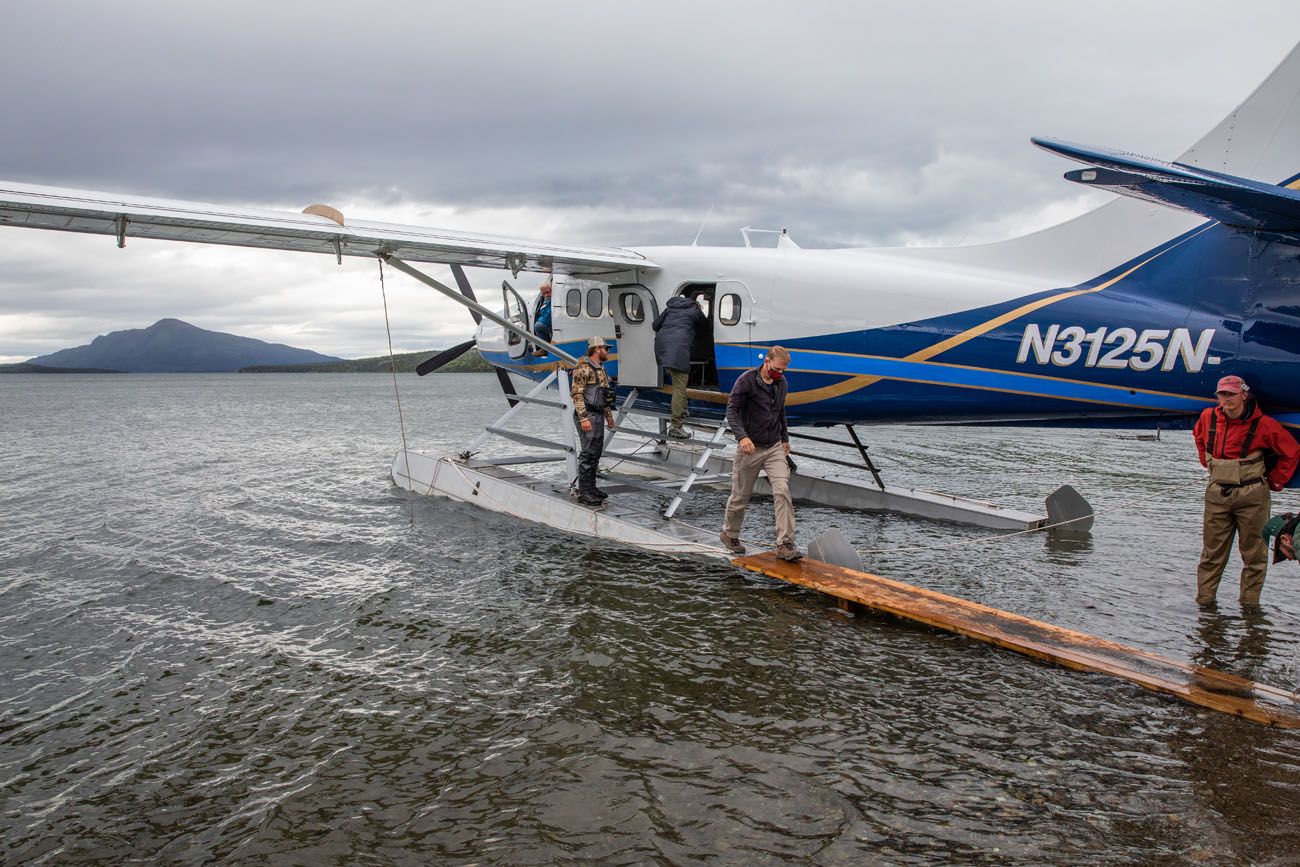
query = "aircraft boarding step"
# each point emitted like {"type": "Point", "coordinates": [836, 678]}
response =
{"type": "Point", "coordinates": [614, 483]}
{"type": "Point", "coordinates": [696, 473]}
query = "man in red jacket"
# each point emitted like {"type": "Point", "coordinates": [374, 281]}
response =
{"type": "Point", "coordinates": [1247, 454]}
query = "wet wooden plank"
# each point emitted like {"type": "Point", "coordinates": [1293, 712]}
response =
{"type": "Point", "coordinates": [1077, 650]}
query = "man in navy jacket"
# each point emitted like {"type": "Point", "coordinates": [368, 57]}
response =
{"type": "Point", "coordinates": [756, 415]}
{"type": "Point", "coordinates": [675, 330]}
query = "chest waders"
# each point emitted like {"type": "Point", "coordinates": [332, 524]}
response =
{"type": "Point", "coordinates": [598, 398]}
{"type": "Point", "coordinates": [1230, 473]}
{"type": "Point", "coordinates": [1236, 504]}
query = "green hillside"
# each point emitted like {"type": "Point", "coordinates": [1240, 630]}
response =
{"type": "Point", "coordinates": [28, 367]}
{"type": "Point", "coordinates": [470, 362]}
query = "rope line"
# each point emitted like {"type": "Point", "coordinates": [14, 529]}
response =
{"type": "Point", "coordinates": [392, 364]}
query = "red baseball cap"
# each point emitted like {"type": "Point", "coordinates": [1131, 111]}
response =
{"type": "Point", "coordinates": [1232, 384]}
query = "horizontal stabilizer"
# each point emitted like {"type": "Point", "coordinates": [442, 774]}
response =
{"type": "Point", "coordinates": [1231, 200]}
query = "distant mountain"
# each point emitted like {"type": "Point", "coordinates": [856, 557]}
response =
{"type": "Point", "coordinates": [173, 346]}
{"type": "Point", "coordinates": [470, 362]}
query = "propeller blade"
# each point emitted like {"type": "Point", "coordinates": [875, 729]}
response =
{"type": "Point", "coordinates": [507, 386]}
{"type": "Point", "coordinates": [465, 289]}
{"type": "Point", "coordinates": [429, 365]}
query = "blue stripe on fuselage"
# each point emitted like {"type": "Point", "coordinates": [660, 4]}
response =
{"type": "Point", "coordinates": [935, 373]}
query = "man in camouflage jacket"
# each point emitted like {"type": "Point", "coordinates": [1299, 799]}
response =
{"type": "Point", "coordinates": [593, 397]}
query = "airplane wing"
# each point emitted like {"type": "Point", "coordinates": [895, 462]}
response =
{"type": "Point", "coordinates": [318, 229]}
{"type": "Point", "coordinates": [1229, 199]}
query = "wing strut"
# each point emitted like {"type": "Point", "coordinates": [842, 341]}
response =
{"type": "Point", "coordinates": [503, 378]}
{"type": "Point", "coordinates": [475, 306]}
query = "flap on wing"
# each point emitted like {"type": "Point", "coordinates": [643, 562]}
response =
{"type": "Point", "coordinates": [1229, 199]}
{"type": "Point", "coordinates": [99, 213]}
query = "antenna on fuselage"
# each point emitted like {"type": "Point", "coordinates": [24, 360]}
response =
{"type": "Point", "coordinates": [783, 236]}
{"type": "Point", "coordinates": [696, 242]}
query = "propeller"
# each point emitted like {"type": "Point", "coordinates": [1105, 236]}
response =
{"type": "Point", "coordinates": [429, 365]}
{"type": "Point", "coordinates": [507, 385]}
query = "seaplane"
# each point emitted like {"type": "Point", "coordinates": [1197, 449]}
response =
{"type": "Point", "coordinates": [1124, 316]}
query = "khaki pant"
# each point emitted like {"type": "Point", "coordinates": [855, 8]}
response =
{"type": "Point", "coordinates": [680, 378]}
{"type": "Point", "coordinates": [1242, 511]}
{"type": "Point", "coordinates": [744, 473]}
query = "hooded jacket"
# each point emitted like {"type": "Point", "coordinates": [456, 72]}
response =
{"type": "Point", "coordinates": [675, 330]}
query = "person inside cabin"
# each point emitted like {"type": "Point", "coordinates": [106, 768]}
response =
{"type": "Point", "coordinates": [1281, 529]}
{"type": "Point", "coordinates": [756, 415]}
{"type": "Point", "coordinates": [1248, 454]}
{"type": "Point", "coordinates": [593, 398]}
{"type": "Point", "coordinates": [675, 329]}
{"type": "Point", "coordinates": [542, 315]}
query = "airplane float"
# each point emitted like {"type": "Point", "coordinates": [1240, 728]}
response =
{"type": "Point", "coordinates": [1126, 315]}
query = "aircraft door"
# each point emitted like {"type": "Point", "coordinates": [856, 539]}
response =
{"type": "Point", "coordinates": [634, 310]}
{"type": "Point", "coordinates": [516, 312]}
{"type": "Point", "coordinates": [733, 326]}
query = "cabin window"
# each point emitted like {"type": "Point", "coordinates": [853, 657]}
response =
{"type": "Point", "coordinates": [633, 307]}
{"type": "Point", "coordinates": [573, 303]}
{"type": "Point", "coordinates": [595, 303]}
{"type": "Point", "coordinates": [729, 309]}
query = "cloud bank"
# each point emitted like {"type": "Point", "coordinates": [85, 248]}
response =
{"type": "Point", "coordinates": [851, 124]}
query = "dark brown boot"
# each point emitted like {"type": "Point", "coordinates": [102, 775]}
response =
{"type": "Point", "coordinates": [731, 543]}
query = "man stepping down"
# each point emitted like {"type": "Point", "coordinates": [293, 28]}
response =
{"type": "Point", "coordinates": [756, 414]}
{"type": "Point", "coordinates": [1247, 454]}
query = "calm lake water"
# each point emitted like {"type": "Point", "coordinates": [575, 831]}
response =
{"type": "Point", "coordinates": [227, 638]}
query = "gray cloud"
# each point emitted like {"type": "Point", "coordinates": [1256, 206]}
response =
{"type": "Point", "coordinates": [850, 123]}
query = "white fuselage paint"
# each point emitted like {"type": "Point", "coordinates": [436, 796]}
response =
{"type": "Point", "coordinates": [801, 293]}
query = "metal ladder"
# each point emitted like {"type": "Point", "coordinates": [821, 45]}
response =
{"type": "Point", "coordinates": [694, 474]}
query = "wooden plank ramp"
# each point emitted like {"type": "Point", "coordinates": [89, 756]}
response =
{"type": "Point", "coordinates": [1077, 650]}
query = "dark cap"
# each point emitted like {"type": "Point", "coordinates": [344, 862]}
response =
{"type": "Point", "coordinates": [1275, 528]}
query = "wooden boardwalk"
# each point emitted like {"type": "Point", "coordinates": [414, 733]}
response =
{"type": "Point", "coordinates": [1204, 686]}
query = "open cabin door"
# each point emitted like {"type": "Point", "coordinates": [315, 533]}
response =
{"type": "Point", "coordinates": [722, 353]}
{"type": "Point", "coordinates": [516, 311]}
{"type": "Point", "coordinates": [634, 310]}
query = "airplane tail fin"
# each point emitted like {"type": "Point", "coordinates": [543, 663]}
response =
{"type": "Point", "coordinates": [1258, 141]}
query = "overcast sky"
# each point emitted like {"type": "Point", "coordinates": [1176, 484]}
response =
{"type": "Point", "coordinates": [852, 123]}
